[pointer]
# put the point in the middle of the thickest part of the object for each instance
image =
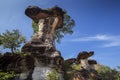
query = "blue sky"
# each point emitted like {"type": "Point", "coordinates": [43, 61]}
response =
{"type": "Point", "coordinates": [97, 26]}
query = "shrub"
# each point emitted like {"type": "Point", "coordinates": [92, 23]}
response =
{"type": "Point", "coordinates": [53, 75]}
{"type": "Point", "coordinates": [7, 75]}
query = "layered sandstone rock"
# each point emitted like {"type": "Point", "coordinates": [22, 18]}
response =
{"type": "Point", "coordinates": [86, 75]}
{"type": "Point", "coordinates": [70, 61]}
{"type": "Point", "coordinates": [92, 64]}
{"type": "Point", "coordinates": [82, 58]}
{"type": "Point", "coordinates": [42, 43]}
{"type": "Point", "coordinates": [41, 46]}
{"type": "Point", "coordinates": [81, 67]}
{"type": "Point", "coordinates": [48, 21]}
{"type": "Point", "coordinates": [41, 54]}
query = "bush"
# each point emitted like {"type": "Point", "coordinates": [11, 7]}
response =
{"type": "Point", "coordinates": [107, 73]}
{"type": "Point", "coordinates": [7, 75]}
{"type": "Point", "coordinates": [52, 75]}
{"type": "Point", "coordinates": [76, 67]}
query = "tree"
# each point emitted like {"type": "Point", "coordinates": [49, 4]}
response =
{"type": "Point", "coordinates": [107, 73]}
{"type": "Point", "coordinates": [67, 28]}
{"type": "Point", "coordinates": [12, 39]}
{"type": "Point", "coordinates": [68, 25]}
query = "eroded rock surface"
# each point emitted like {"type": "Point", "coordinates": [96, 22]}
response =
{"type": "Point", "coordinates": [42, 43]}
{"type": "Point", "coordinates": [81, 67]}
{"type": "Point", "coordinates": [86, 75]}
{"type": "Point", "coordinates": [41, 46]}
{"type": "Point", "coordinates": [43, 54]}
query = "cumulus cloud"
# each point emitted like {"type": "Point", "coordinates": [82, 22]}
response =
{"type": "Point", "coordinates": [107, 40]}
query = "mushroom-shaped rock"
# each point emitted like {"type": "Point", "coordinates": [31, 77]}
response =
{"type": "Point", "coordinates": [37, 13]}
{"type": "Point", "coordinates": [43, 54]}
{"type": "Point", "coordinates": [48, 21]}
{"type": "Point", "coordinates": [84, 55]}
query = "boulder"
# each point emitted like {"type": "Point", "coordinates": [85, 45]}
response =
{"type": "Point", "coordinates": [91, 62]}
{"type": "Point", "coordinates": [70, 61]}
{"type": "Point", "coordinates": [84, 55]}
{"type": "Point", "coordinates": [86, 75]}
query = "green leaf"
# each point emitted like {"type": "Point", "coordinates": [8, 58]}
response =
{"type": "Point", "coordinates": [11, 40]}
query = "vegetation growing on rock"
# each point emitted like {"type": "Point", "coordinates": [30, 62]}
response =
{"type": "Point", "coordinates": [42, 52]}
{"type": "Point", "coordinates": [7, 75]}
{"type": "Point", "coordinates": [53, 75]}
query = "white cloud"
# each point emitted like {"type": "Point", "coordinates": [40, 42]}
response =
{"type": "Point", "coordinates": [92, 38]}
{"type": "Point", "coordinates": [107, 40]}
{"type": "Point", "coordinates": [112, 44]}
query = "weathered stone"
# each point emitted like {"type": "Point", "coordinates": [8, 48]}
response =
{"type": "Point", "coordinates": [70, 61]}
{"type": "Point", "coordinates": [84, 55]}
{"type": "Point", "coordinates": [84, 64]}
{"type": "Point", "coordinates": [48, 21]}
{"type": "Point", "coordinates": [41, 55]}
{"type": "Point", "coordinates": [91, 61]}
{"type": "Point", "coordinates": [86, 75]}
{"type": "Point", "coordinates": [82, 59]}
{"type": "Point", "coordinates": [37, 13]}
{"type": "Point", "coordinates": [22, 65]}
{"type": "Point", "coordinates": [92, 64]}
{"type": "Point", "coordinates": [41, 46]}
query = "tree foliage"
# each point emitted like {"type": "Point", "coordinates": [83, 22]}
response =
{"type": "Point", "coordinates": [53, 75]}
{"type": "Point", "coordinates": [12, 39]}
{"type": "Point", "coordinates": [35, 27]}
{"type": "Point", "coordinates": [106, 73]}
{"type": "Point", "coordinates": [76, 66]}
{"type": "Point", "coordinates": [67, 28]}
{"type": "Point", "coordinates": [7, 75]}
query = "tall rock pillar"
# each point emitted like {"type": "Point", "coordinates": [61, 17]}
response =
{"type": "Point", "coordinates": [41, 46]}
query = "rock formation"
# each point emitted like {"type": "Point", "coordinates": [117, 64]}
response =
{"type": "Point", "coordinates": [40, 55]}
{"type": "Point", "coordinates": [88, 71]}
{"type": "Point", "coordinates": [86, 75]}
{"type": "Point", "coordinates": [81, 67]}
{"type": "Point", "coordinates": [70, 61]}
{"type": "Point", "coordinates": [92, 64]}
{"type": "Point", "coordinates": [41, 46]}
{"type": "Point", "coordinates": [44, 57]}
{"type": "Point", "coordinates": [82, 58]}
{"type": "Point", "coordinates": [48, 21]}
